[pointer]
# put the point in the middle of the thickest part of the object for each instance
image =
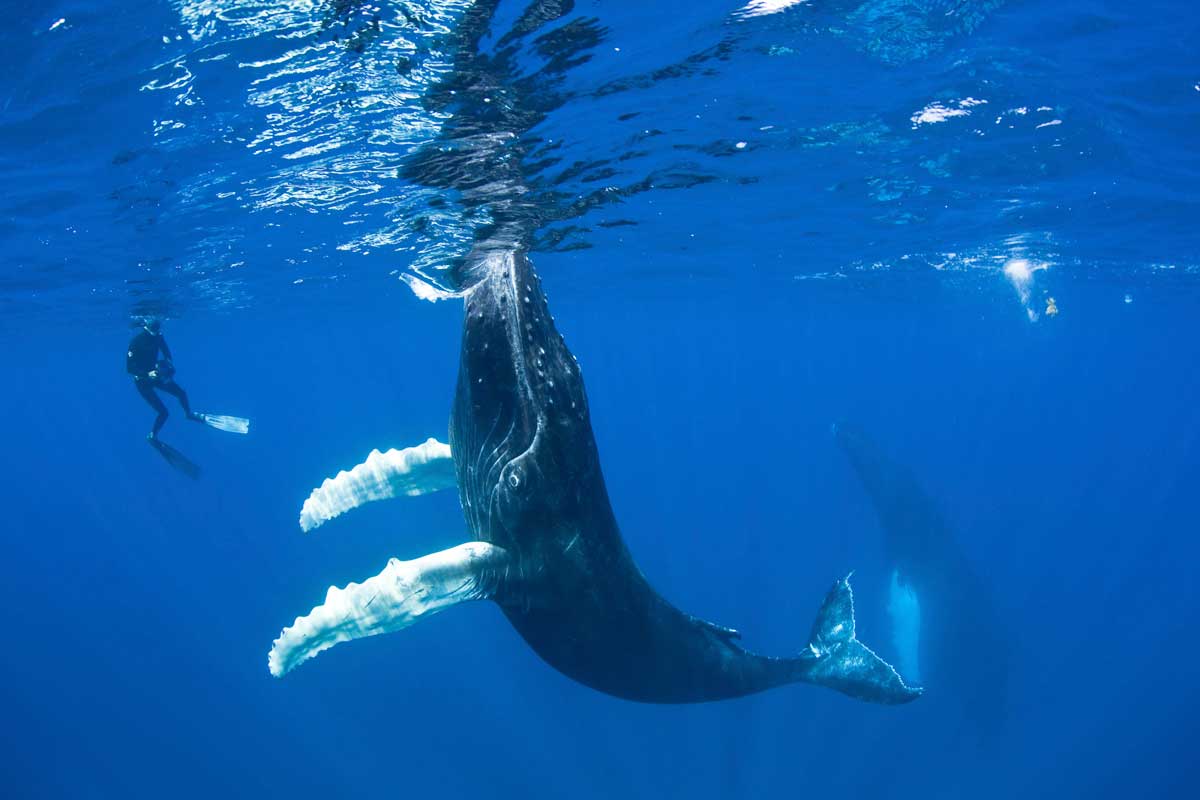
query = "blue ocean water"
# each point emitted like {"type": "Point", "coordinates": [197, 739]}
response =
{"type": "Point", "coordinates": [968, 229]}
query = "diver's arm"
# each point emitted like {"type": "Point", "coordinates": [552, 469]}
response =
{"type": "Point", "coordinates": [166, 351]}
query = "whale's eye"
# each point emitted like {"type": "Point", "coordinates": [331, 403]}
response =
{"type": "Point", "coordinates": [514, 478]}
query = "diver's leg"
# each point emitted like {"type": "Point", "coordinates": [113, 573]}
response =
{"type": "Point", "coordinates": [146, 390]}
{"type": "Point", "coordinates": [173, 388]}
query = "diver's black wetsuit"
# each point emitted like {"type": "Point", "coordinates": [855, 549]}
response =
{"type": "Point", "coordinates": [140, 361]}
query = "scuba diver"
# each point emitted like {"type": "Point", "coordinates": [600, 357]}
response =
{"type": "Point", "coordinates": [149, 373]}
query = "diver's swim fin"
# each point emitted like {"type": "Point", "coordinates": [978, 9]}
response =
{"type": "Point", "coordinates": [223, 423]}
{"type": "Point", "coordinates": [175, 458]}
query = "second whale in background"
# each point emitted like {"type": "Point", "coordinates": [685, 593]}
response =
{"type": "Point", "coordinates": [946, 629]}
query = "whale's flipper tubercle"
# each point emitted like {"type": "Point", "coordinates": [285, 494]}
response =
{"type": "Point", "coordinates": [412, 471]}
{"type": "Point", "coordinates": [397, 597]}
{"type": "Point", "coordinates": [838, 660]}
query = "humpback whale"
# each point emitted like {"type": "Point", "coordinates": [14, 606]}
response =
{"type": "Point", "coordinates": [547, 549]}
{"type": "Point", "coordinates": [945, 626]}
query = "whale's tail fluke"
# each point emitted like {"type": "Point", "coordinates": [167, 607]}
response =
{"type": "Point", "coordinates": [838, 660]}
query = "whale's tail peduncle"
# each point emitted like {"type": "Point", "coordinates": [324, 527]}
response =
{"type": "Point", "coordinates": [838, 660]}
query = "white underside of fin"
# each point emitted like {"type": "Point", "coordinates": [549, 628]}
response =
{"type": "Point", "coordinates": [397, 597]}
{"type": "Point", "coordinates": [412, 471]}
{"type": "Point", "coordinates": [904, 607]}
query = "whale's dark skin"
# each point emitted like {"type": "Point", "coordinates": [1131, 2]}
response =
{"type": "Point", "coordinates": [530, 482]}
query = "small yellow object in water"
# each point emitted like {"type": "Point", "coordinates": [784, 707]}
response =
{"type": "Point", "coordinates": [1051, 307]}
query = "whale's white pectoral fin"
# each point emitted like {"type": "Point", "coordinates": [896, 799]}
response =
{"type": "Point", "coordinates": [412, 471]}
{"type": "Point", "coordinates": [397, 597]}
